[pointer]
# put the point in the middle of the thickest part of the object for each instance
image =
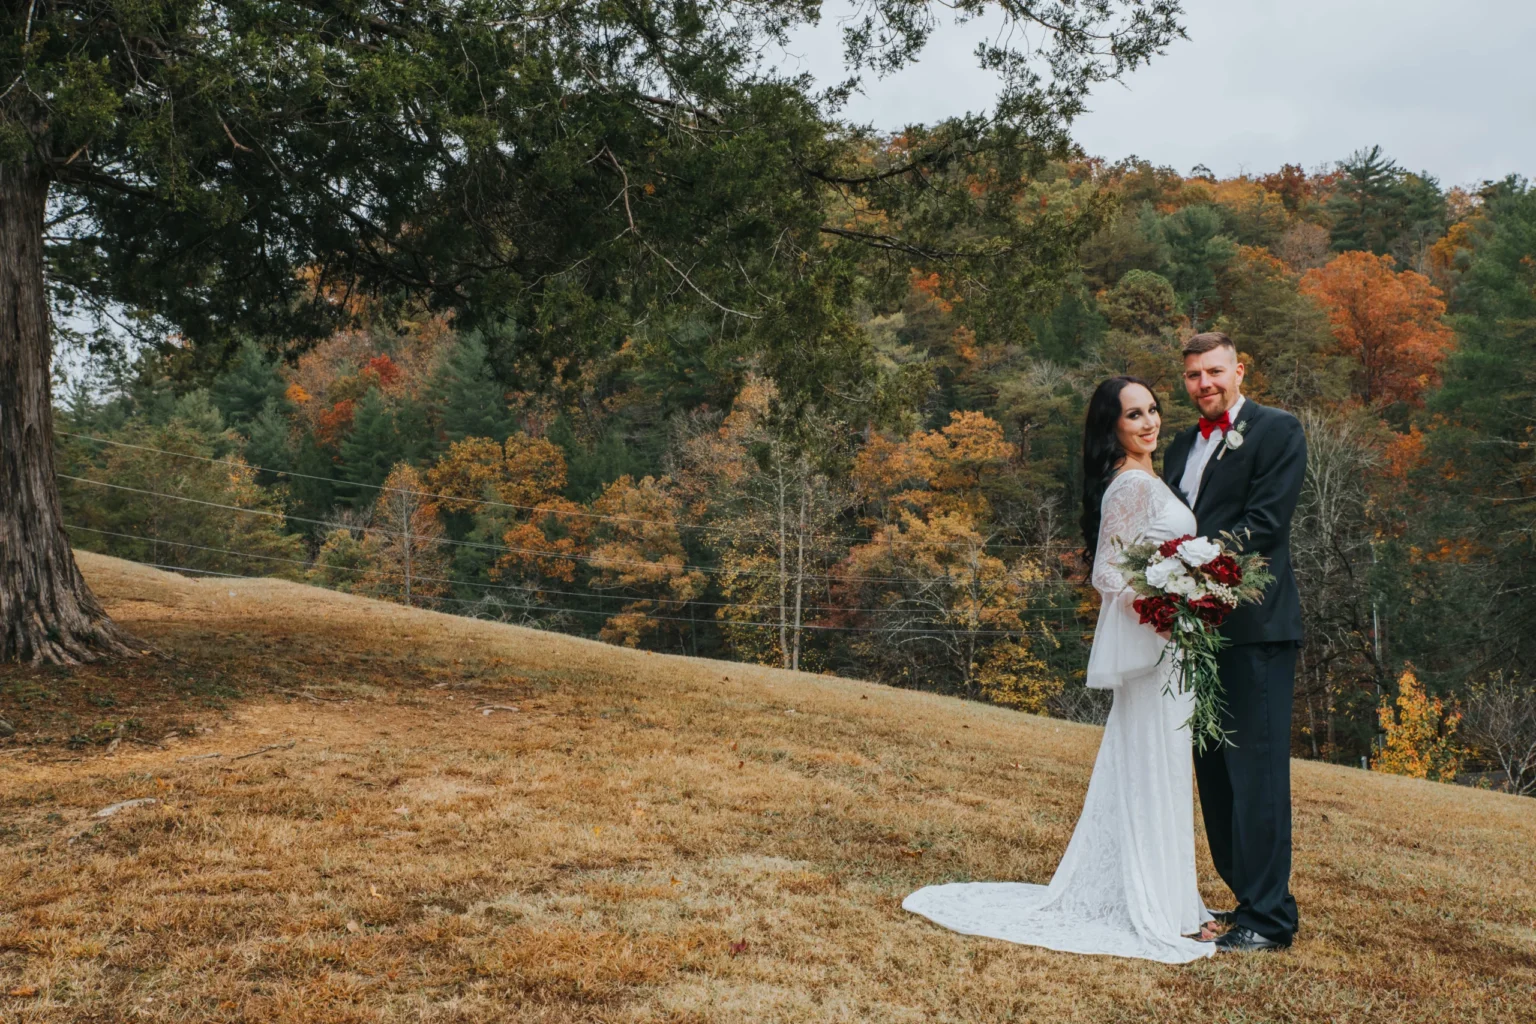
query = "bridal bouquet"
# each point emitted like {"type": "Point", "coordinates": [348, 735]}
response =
{"type": "Point", "coordinates": [1186, 588]}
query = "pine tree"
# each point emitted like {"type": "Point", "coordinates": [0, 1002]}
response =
{"type": "Point", "coordinates": [464, 394]}
{"type": "Point", "coordinates": [1197, 250]}
{"type": "Point", "coordinates": [268, 445]}
{"type": "Point", "coordinates": [591, 468]}
{"type": "Point", "coordinates": [242, 391]}
{"type": "Point", "coordinates": [1481, 461]}
{"type": "Point", "coordinates": [1424, 221]}
{"type": "Point", "coordinates": [314, 486]}
{"type": "Point", "coordinates": [1370, 205]}
{"type": "Point", "coordinates": [1070, 330]}
{"type": "Point", "coordinates": [371, 450]}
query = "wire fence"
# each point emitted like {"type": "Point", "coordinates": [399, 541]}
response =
{"type": "Point", "coordinates": [489, 502]}
{"type": "Point", "coordinates": [602, 561]}
{"type": "Point", "coordinates": [600, 595]}
{"type": "Point", "coordinates": [936, 622]}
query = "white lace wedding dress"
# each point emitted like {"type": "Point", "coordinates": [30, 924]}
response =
{"type": "Point", "coordinates": [1126, 885]}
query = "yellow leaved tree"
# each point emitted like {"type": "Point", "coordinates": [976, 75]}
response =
{"type": "Point", "coordinates": [394, 551]}
{"type": "Point", "coordinates": [638, 553]}
{"type": "Point", "coordinates": [760, 484]}
{"type": "Point", "coordinates": [1420, 738]}
{"type": "Point", "coordinates": [946, 596]}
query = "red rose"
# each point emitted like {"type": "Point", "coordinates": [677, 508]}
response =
{"type": "Point", "coordinates": [1158, 612]}
{"type": "Point", "coordinates": [1210, 610]}
{"type": "Point", "coordinates": [1224, 570]}
{"type": "Point", "coordinates": [1169, 547]}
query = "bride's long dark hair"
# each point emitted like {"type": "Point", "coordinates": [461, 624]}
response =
{"type": "Point", "coordinates": [1102, 452]}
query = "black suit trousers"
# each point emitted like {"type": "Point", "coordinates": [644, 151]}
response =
{"type": "Point", "coordinates": [1245, 791]}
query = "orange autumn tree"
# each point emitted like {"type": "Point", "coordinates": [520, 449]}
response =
{"type": "Point", "coordinates": [1420, 738]}
{"type": "Point", "coordinates": [1390, 322]}
{"type": "Point", "coordinates": [513, 489]}
{"type": "Point", "coordinates": [949, 469]}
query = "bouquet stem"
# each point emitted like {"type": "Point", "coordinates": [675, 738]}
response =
{"type": "Point", "coordinates": [1193, 647]}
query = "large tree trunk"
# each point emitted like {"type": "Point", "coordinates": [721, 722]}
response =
{"type": "Point", "coordinates": [47, 613]}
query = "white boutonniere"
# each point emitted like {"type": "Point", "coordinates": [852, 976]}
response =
{"type": "Point", "coordinates": [1232, 439]}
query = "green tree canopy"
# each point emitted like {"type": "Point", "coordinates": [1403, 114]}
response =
{"type": "Point", "coordinates": [589, 169]}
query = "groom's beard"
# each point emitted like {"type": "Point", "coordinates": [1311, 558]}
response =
{"type": "Point", "coordinates": [1229, 400]}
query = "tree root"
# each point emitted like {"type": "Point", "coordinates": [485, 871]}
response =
{"type": "Point", "coordinates": [97, 639]}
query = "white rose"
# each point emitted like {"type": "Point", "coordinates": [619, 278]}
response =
{"type": "Point", "coordinates": [1159, 573]}
{"type": "Point", "coordinates": [1198, 551]}
{"type": "Point", "coordinates": [1185, 585]}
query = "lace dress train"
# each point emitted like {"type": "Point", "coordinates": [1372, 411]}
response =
{"type": "Point", "coordinates": [1126, 885]}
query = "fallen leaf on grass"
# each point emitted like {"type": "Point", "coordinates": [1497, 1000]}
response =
{"type": "Point", "coordinates": [374, 892]}
{"type": "Point", "coordinates": [23, 991]}
{"type": "Point", "coordinates": [354, 927]}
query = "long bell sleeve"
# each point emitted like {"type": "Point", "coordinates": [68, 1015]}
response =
{"type": "Point", "coordinates": [1123, 648]}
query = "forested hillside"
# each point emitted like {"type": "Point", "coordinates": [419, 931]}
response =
{"type": "Point", "coordinates": [874, 470]}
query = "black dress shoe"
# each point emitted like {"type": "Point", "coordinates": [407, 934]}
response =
{"type": "Point", "coordinates": [1246, 940]}
{"type": "Point", "coordinates": [1226, 917]}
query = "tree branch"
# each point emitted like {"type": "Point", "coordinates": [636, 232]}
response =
{"type": "Point", "coordinates": [895, 244]}
{"type": "Point", "coordinates": [85, 174]}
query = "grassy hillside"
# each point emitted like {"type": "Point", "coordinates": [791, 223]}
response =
{"type": "Point", "coordinates": [340, 833]}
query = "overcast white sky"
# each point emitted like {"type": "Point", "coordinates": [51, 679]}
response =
{"type": "Point", "coordinates": [1447, 86]}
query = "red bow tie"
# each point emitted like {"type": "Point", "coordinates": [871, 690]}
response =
{"type": "Point", "coordinates": [1223, 424]}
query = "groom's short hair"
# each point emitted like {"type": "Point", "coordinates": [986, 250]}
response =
{"type": "Point", "coordinates": [1203, 343]}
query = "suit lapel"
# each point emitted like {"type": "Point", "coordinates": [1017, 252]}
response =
{"type": "Point", "coordinates": [1178, 458]}
{"type": "Point", "coordinates": [1243, 416]}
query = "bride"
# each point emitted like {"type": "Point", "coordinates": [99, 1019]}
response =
{"type": "Point", "coordinates": [1126, 885]}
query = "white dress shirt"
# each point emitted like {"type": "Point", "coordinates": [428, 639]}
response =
{"type": "Point", "coordinates": [1200, 453]}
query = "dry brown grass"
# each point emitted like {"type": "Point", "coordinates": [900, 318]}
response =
{"type": "Point", "coordinates": [647, 839]}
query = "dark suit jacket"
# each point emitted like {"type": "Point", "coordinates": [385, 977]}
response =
{"type": "Point", "coordinates": [1251, 492]}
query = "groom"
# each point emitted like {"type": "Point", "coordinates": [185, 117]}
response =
{"type": "Point", "coordinates": [1241, 469]}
